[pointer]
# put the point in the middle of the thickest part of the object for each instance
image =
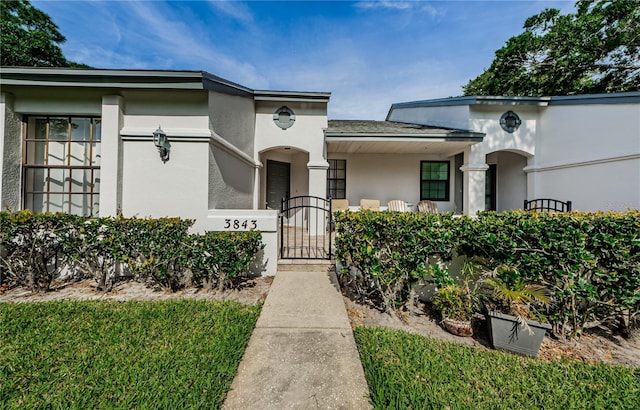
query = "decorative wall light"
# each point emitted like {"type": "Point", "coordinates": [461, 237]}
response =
{"type": "Point", "coordinates": [162, 143]}
{"type": "Point", "coordinates": [284, 117]}
{"type": "Point", "coordinates": [510, 121]}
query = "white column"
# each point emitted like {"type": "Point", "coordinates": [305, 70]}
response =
{"type": "Point", "coordinates": [317, 187]}
{"type": "Point", "coordinates": [318, 178]}
{"type": "Point", "coordinates": [256, 186]}
{"type": "Point", "coordinates": [532, 178]}
{"type": "Point", "coordinates": [111, 152]}
{"type": "Point", "coordinates": [474, 181]}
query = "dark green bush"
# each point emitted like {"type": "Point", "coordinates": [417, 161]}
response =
{"type": "Point", "coordinates": [36, 249]}
{"type": "Point", "coordinates": [590, 261]}
{"type": "Point", "coordinates": [159, 250]}
{"type": "Point", "coordinates": [393, 250]}
{"type": "Point", "coordinates": [219, 257]}
{"type": "Point", "coordinates": [31, 248]}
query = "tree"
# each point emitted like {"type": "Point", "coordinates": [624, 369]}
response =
{"type": "Point", "coordinates": [595, 50]}
{"type": "Point", "coordinates": [29, 37]}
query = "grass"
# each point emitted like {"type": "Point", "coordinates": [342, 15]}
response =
{"type": "Point", "coordinates": [407, 371]}
{"type": "Point", "coordinates": [106, 354]}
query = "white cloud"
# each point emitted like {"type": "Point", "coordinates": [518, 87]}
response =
{"type": "Point", "coordinates": [236, 10]}
{"type": "Point", "coordinates": [399, 5]}
{"type": "Point", "coordinates": [179, 44]}
{"type": "Point", "coordinates": [361, 87]}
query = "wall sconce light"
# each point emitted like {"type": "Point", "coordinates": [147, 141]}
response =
{"type": "Point", "coordinates": [162, 143]}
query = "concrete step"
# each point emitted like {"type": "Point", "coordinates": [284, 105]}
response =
{"type": "Point", "coordinates": [301, 265]}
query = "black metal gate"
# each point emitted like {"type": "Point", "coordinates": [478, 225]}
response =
{"type": "Point", "coordinates": [306, 228]}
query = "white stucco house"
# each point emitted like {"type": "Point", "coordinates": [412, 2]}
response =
{"type": "Point", "coordinates": [82, 141]}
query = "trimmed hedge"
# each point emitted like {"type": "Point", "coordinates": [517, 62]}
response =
{"type": "Point", "coordinates": [590, 261]}
{"type": "Point", "coordinates": [37, 248]}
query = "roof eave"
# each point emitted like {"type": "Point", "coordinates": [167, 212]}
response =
{"type": "Point", "coordinates": [632, 97]}
{"type": "Point", "coordinates": [470, 136]}
{"type": "Point", "coordinates": [291, 96]}
{"type": "Point", "coordinates": [101, 78]}
{"type": "Point", "coordinates": [474, 100]}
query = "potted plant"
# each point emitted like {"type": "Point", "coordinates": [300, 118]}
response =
{"type": "Point", "coordinates": [456, 302]}
{"type": "Point", "coordinates": [511, 304]}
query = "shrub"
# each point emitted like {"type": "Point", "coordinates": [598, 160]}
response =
{"type": "Point", "coordinates": [36, 248]}
{"type": "Point", "coordinates": [219, 257]}
{"type": "Point", "coordinates": [391, 252]}
{"type": "Point", "coordinates": [159, 251]}
{"type": "Point", "coordinates": [589, 261]}
{"type": "Point", "coordinates": [31, 248]}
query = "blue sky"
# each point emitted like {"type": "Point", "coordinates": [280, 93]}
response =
{"type": "Point", "coordinates": [367, 54]}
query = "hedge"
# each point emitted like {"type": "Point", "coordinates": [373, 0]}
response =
{"type": "Point", "coordinates": [38, 248]}
{"type": "Point", "coordinates": [590, 261]}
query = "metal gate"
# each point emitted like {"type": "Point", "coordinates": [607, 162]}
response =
{"type": "Point", "coordinates": [306, 228]}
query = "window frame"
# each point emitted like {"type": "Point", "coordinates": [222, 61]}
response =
{"type": "Point", "coordinates": [30, 165]}
{"type": "Point", "coordinates": [426, 181]}
{"type": "Point", "coordinates": [333, 167]}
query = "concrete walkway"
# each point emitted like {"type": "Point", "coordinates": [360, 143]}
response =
{"type": "Point", "coordinates": [302, 354]}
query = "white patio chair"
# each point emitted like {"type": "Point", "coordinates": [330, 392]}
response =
{"type": "Point", "coordinates": [339, 204]}
{"type": "Point", "coordinates": [428, 206]}
{"type": "Point", "coordinates": [370, 204]}
{"type": "Point", "coordinates": [397, 205]}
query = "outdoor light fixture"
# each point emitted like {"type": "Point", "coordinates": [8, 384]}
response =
{"type": "Point", "coordinates": [161, 142]}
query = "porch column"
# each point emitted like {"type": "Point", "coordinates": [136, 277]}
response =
{"type": "Point", "coordinates": [318, 178]}
{"type": "Point", "coordinates": [111, 153]}
{"type": "Point", "coordinates": [532, 178]}
{"type": "Point", "coordinates": [474, 181]}
{"type": "Point", "coordinates": [10, 154]}
{"type": "Point", "coordinates": [256, 185]}
{"type": "Point", "coordinates": [317, 187]}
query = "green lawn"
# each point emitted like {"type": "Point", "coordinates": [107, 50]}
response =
{"type": "Point", "coordinates": [106, 354]}
{"type": "Point", "coordinates": [409, 371]}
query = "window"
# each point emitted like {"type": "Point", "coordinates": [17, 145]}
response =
{"type": "Point", "coordinates": [62, 164]}
{"type": "Point", "coordinates": [434, 180]}
{"type": "Point", "coordinates": [337, 179]}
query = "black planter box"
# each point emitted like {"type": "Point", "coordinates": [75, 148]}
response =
{"type": "Point", "coordinates": [507, 334]}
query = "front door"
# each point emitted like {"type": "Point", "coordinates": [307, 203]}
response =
{"type": "Point", "coordinates": [490, 197]}
{"type": "Point", "coordinates": [278, 182]}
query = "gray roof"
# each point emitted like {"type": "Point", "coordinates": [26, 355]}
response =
{"type": "Point", "coordinates": [613, 98]}
{"type": "Point", "coordinates": [362, 128]}
{"type": "Point", "coordinates": [144, 79]}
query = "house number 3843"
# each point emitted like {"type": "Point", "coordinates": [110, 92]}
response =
{"type": "Point", "coordinates": [240, 223]}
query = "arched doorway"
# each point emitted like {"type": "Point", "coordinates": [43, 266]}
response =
{"type": "Point", "coordinates": [284, 174]}
{"type": "Point", "coordinates": [505, 180]}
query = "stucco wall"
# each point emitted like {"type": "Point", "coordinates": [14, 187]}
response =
{"type": "Point", "coordinates": [176, 188]}
{"type": "Point", "coordinates": [486, 119]}
{"type": "Point", "coordinates": [605, 186]}
{"type": "Point", "coordinates": [571, 134]}
{"type": "Point", "coordinates": [449, 117]}
{"type": "Point", "coordinates": [387, 177]}
{"type": "Point", "coordinates": [230, 181]}
{"type": "Point", "coordinates": [173, 110]}
{"type": "Point", "coordinates": [306, 134]}
{"type": "Point", "coordinates": [589, 154]}
{"type": "Point", "coordinates": [57, 100]}
{"type": "Point", "coordinates": [233, 118]}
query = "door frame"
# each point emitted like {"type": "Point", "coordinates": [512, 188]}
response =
{"type": "Point", "coordinates": [271, 162]}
